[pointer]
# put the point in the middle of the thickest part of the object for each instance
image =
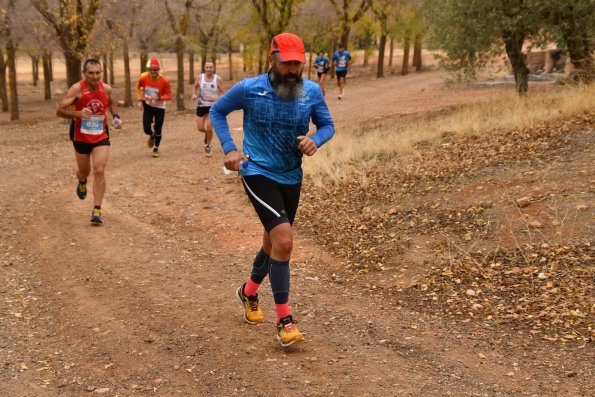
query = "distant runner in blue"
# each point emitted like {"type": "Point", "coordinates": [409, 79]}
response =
{"type": "Point", "coordinates": [321, 63]}
{"type": "Point", "coordinates": [278, 107]}
{"type": "Point", "coordinates": [341, 58]}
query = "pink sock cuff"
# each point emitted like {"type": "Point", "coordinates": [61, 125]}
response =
{"type": "Point", "coordinates": [282, 311]}
{"type": "Point", "coordinates": [251, 288]}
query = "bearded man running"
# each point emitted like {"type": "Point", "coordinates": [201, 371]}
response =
{"type": "Point", "coordinates": [278, 107]}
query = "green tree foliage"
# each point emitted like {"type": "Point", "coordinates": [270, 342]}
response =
{"type": "Point", "coordinates": [572, 25]}
{"type": "Point", "coordinates": [472, 32]}
{"type": "Point", "coordinates": [274, 17]}
{"type": "Point", "coordinates": [348, 13]}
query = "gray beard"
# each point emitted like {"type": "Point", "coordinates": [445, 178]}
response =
{"type": "Point", "coordinates": [284, 90]}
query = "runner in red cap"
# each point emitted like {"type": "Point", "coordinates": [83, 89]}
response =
{"type": "Point", "coordinates": [288, 47]}
{"type": "Point", "coordinates": [152, 90]}
{"type": "Point", "coordinates": [278, 107]}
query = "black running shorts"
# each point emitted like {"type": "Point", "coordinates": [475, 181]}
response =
{"type": "Point", "coordinates": [87, 148]}
{"type": "Point", "coordinates": [341, 73]}
{"type": "Point", "coordinates": [202, 111]}
{"type": "Point", "coordinates": [275, 203]}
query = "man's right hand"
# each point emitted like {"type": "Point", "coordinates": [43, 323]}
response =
{"type": "Point", "coordinates": [85, 113]}
{"type": "Point", "coordinates": [139, 104]}
{"type": "Point", "coordinates": [232, 160]}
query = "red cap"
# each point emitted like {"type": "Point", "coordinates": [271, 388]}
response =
{"type": "Point", "coordinates": [289, 47]}
{"type": "Point", "coordinates": [154, 64]}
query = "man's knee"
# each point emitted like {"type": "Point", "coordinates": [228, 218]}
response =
{"type": "Point", "coordinates": [283, 240]}
{"type": "Point", "coordinates": [99, 171]}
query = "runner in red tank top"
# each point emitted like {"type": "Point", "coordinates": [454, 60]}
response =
{"type": "Point", "coordinates": [92, 129]}
{"type": "Point", "coordinates": [87, 102]}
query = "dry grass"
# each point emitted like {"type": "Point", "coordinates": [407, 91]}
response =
{"type": "Point", "coordinates": [346, 153]}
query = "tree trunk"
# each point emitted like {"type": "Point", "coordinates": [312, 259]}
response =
{"type": "Point", "coordinates": [245, 58]}
{"type": "Point", "coordinates": [47, 88]}
{"type": "Point", "coordinates": [381, 47]}
{"type": "Point", "coordinates": [204, 53]}
{"type": "Point", "coordinates": [3, 86]}
{"type": "Point", "coordinates": [191, 67]}
{"type": "Point", "coordinates": [345, 36]}
{"type": "Point", "coordinates": [310, 60]}
{"type": "Point", "coordinates": [513, 41]}
{"type": "Point", "coordinates": [51, 66]}
{"type": "Point", "coordinates": [13, 103]}
{"type": "Point", "coordinates": [391, 52]}
{"type": "Point", "coordinates": [104, 75]}
{"type": "Point", "coordinates": [367, 40]}
{"type": "Point", "coordinates": [417, 46]}
{"type": "Point", "coordinates": [127, 77]}
{"type": "Point", "coordinates": [112, 78]}
{"type": "Point", "coordinates": [214, 50]}
{"type": "Point", "coordinates": [230, 53]}
{"type": "Point", "coordinates": [73, 69]}
{"type": "Point", "coordinates": [180, 56]}
{"type": "Point", "coordinates": [144, 57]}
{"type": "Point", "coordinates": [331, 71]}
{"type": "Point", "coordinates": [260, 60]}
{"type": "Point", "coordinates": [35, 69]}
{"type": "Point", "coordinates": [406, 48]}
{"type": "Point", "coordinates": [581, 56]}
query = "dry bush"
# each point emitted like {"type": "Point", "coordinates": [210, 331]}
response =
{"type": "Point", "coordinates": [345, 154]}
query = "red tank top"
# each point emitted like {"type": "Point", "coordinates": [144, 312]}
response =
{"type": "Point", "coordinates": [91, 130]}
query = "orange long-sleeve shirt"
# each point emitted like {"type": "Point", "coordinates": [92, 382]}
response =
{"type": "Point", "coordinates": [146, 86]}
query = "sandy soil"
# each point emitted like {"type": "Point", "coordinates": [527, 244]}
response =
{"type": "Point", "coordinates": [144, 305]}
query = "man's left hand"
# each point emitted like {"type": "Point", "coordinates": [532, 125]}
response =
{"type": "Point", "coordinates": [306, 145]}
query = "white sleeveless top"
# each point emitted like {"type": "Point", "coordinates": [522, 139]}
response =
{"type": "Point", "coordinates": [208, 91]}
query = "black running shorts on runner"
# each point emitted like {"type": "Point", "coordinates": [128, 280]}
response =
{"type": "Point", "coordinates": [87, 148]}
{"type": "Point", "coordinates": [202, 111]}
{"type": "Point", "coordinates": [341, 73]}
{"type": "Point", "coordinates": [275, 203]}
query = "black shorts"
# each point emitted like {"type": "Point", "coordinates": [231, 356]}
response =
{"type": "Point", "coordinates": [202, 111]}
{"type": "Point", "coordinates": [341, 73]}
{"type": "Point", "coordinates": [275, 203]}
{"type": "Point", "coordinates": [87, 148]}
{"type": "Point", "coordinates": [321, 73]}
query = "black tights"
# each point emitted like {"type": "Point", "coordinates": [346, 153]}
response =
{"type": "Point", "coordinates": [153, 115]}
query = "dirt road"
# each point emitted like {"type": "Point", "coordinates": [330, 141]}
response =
{"type": "Point", "coordinates": [144, 305]}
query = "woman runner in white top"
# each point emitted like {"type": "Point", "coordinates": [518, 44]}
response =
{"type": "Point", "coordinates": [207, 89]}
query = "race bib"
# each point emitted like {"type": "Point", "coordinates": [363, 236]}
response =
{"type": "Point", "coordinates": [150, 91]}
{"type": "Point", "coordinates": [206, 100]}
{"type": "Point", "coordinates": [92, 125]}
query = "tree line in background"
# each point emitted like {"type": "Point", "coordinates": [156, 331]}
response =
{"type": "Point", "coordinates": [467, 34]}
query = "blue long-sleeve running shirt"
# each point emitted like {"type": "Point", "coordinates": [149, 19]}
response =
{"type": "Point", "coordinates": [272, 125]}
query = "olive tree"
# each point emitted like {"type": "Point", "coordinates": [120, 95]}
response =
{"type": "Point", "coordinates": [472, 32]}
